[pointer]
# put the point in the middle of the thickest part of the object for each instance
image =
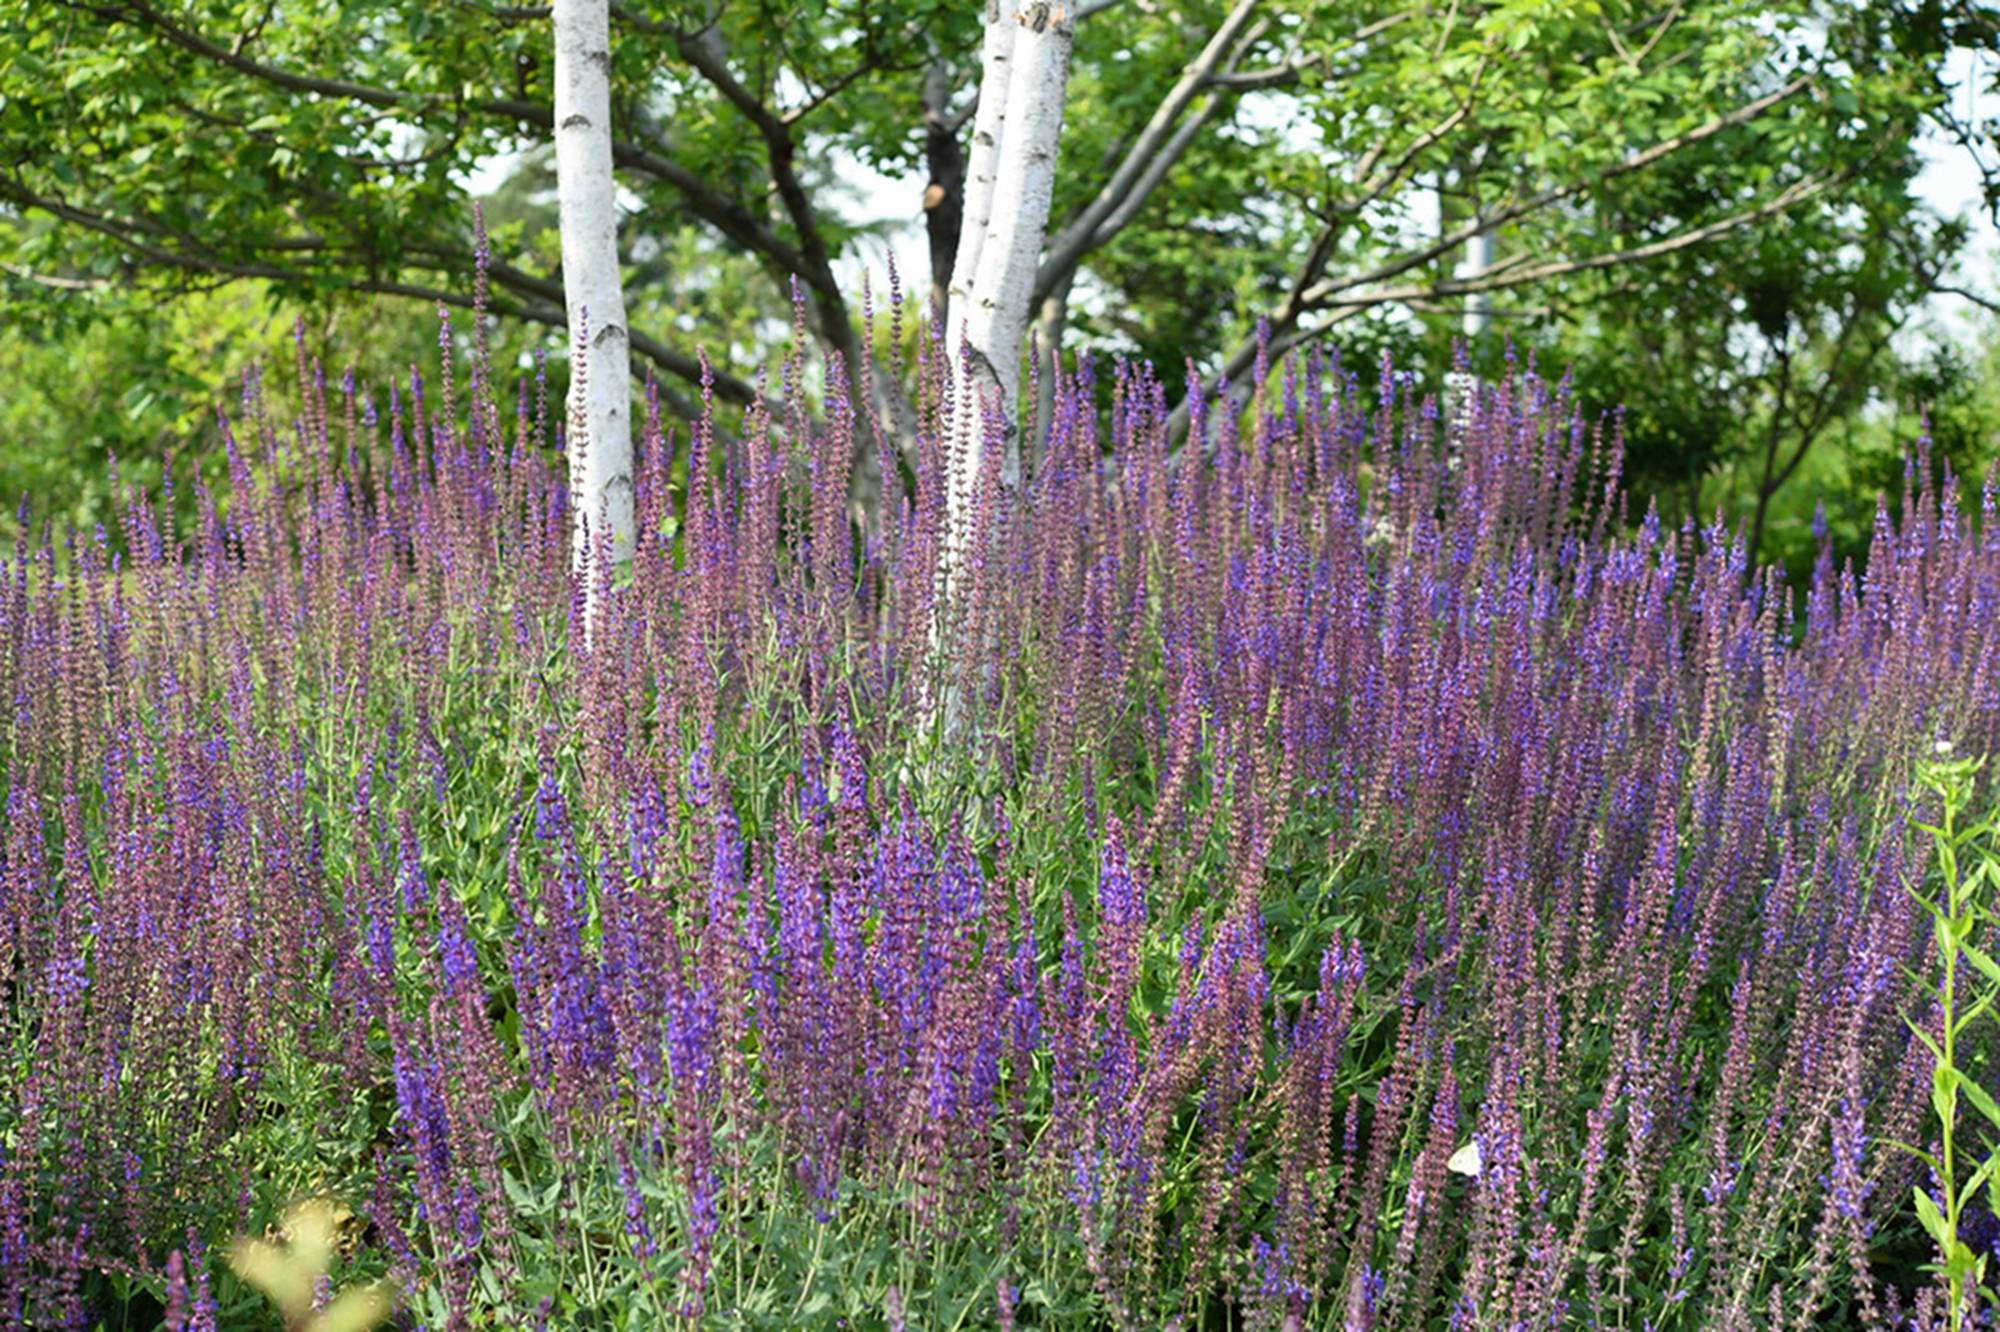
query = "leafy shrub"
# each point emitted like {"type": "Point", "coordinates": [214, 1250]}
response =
{"type": "Point", "coordinates": [1347, 876]}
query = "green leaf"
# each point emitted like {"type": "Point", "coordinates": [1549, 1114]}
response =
{"type": "Point", "coordinates": [1979, 1176]}
{"type": "Point", "coordinates": [1986, 965]}
{"type": "Point", "coordinates": [1937, 912]}
{"type": "Point", "coordinates": [1974, 1013]}
{"type": "Point", "coordinates": [1932, 1219]}
{"type": "Point", "coordinates": [1936, 1054]}
{"type": "Point", "coordinates": [1981, 1100]}
{"type": "Point", "coordinates": [1959, 1260]}
{"type": "Point", "coordinates": [1915, 1151]}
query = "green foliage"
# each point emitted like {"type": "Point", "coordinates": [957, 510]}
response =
{"type": "Point", "coordinates": [101, 375]}
{"type": "Point", "coordinates": [318, 148]}
{"type": "Point", "coordinates": [1940, 401]}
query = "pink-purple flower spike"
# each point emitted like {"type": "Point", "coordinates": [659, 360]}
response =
{"type": "Point", "coordinates": [1368, 882]}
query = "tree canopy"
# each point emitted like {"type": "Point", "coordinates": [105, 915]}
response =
{"type": "Point", "coordinates": [1222, 163]}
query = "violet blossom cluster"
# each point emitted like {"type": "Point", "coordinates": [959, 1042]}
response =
{"type": "Point", "coordinates": [1345, 868]}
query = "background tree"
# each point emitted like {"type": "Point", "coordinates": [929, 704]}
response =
{"type": "Point", "coordinates": [1737, 359]}
{"type": "Point", "coordinates": [1223, 161]}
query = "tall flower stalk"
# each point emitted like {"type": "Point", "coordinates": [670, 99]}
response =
{"type": "Point", "coordinates": [1381, 880]}
{"type": "Point", "coordinates": [1966, 991]}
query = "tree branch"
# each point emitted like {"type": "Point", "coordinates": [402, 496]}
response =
{"type": "Point", "coordinates": [1283, 74]}
{"type": "Point", "coordinates": [1166, 138]}
{"type": "Point", "coordinates": [829, 311]}
{"type": "Point", "coordinates": [1517, 272]}
{"type": "Point", "coordinates": [546, 309]}
{"type": "Point", "coordinates": [1986, 303]}
{"type": "Point", "coordinates": [1507, 274]}
{"type": "Point", "coordinates": [55, 281]}
{"type": "Point", "coordinates": [724, 214]}
{"type": "Point", "coordinates": [1150, 156]}
{"type": "Point", "coordinates": [1376, 183]}
{"type": "Point", "coordinates": [701, 51]}
{"type": "Point", "coordinates": [1548, 198]}
{"type": "Point", "coordinates": [861, 70]}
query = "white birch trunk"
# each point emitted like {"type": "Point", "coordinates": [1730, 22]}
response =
{"type": "Point", "coordinates": [600, 424]}
{"type": "Point", "coordinates": [996, 50]}
{"type": "Point", "coordinates": [994, 314]}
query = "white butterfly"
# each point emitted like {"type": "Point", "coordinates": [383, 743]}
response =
{"type": "Point", "coordinates": [1465, 1161]}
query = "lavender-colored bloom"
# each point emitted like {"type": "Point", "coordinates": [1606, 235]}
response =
{"type": "Point", "coordinates": [456, 953]}
{"type": "Point", "coordinates": [176, 1315]}
{"type": "Point", "coordinates": [637, 1228]}
{"type": "Point", "coordinates": [1623, 820]}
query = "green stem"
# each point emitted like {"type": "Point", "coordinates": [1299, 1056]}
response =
{"type": "Point", "coordinates": [1948, 1110]}
{"type": "Point", "coordinates": [583, 1239]}
{"type": "Point", "coordinates": [774, 1200]}
{"type": "Point", "coordinates": [812, 1267]}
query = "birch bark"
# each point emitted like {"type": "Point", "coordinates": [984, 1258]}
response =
{"type": "Point", "coordinates": [996, 64]}
{"type": "Point", "coordinates": [1010, 183]}
{"type": "Point", "coordinates": [600, 426]}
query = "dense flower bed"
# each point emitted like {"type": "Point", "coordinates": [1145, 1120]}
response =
{"type": "Point", "coordinates": [1356, 876]}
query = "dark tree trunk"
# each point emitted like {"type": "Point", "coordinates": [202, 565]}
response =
{"type": "Point", "coordinates": [944, 197]}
